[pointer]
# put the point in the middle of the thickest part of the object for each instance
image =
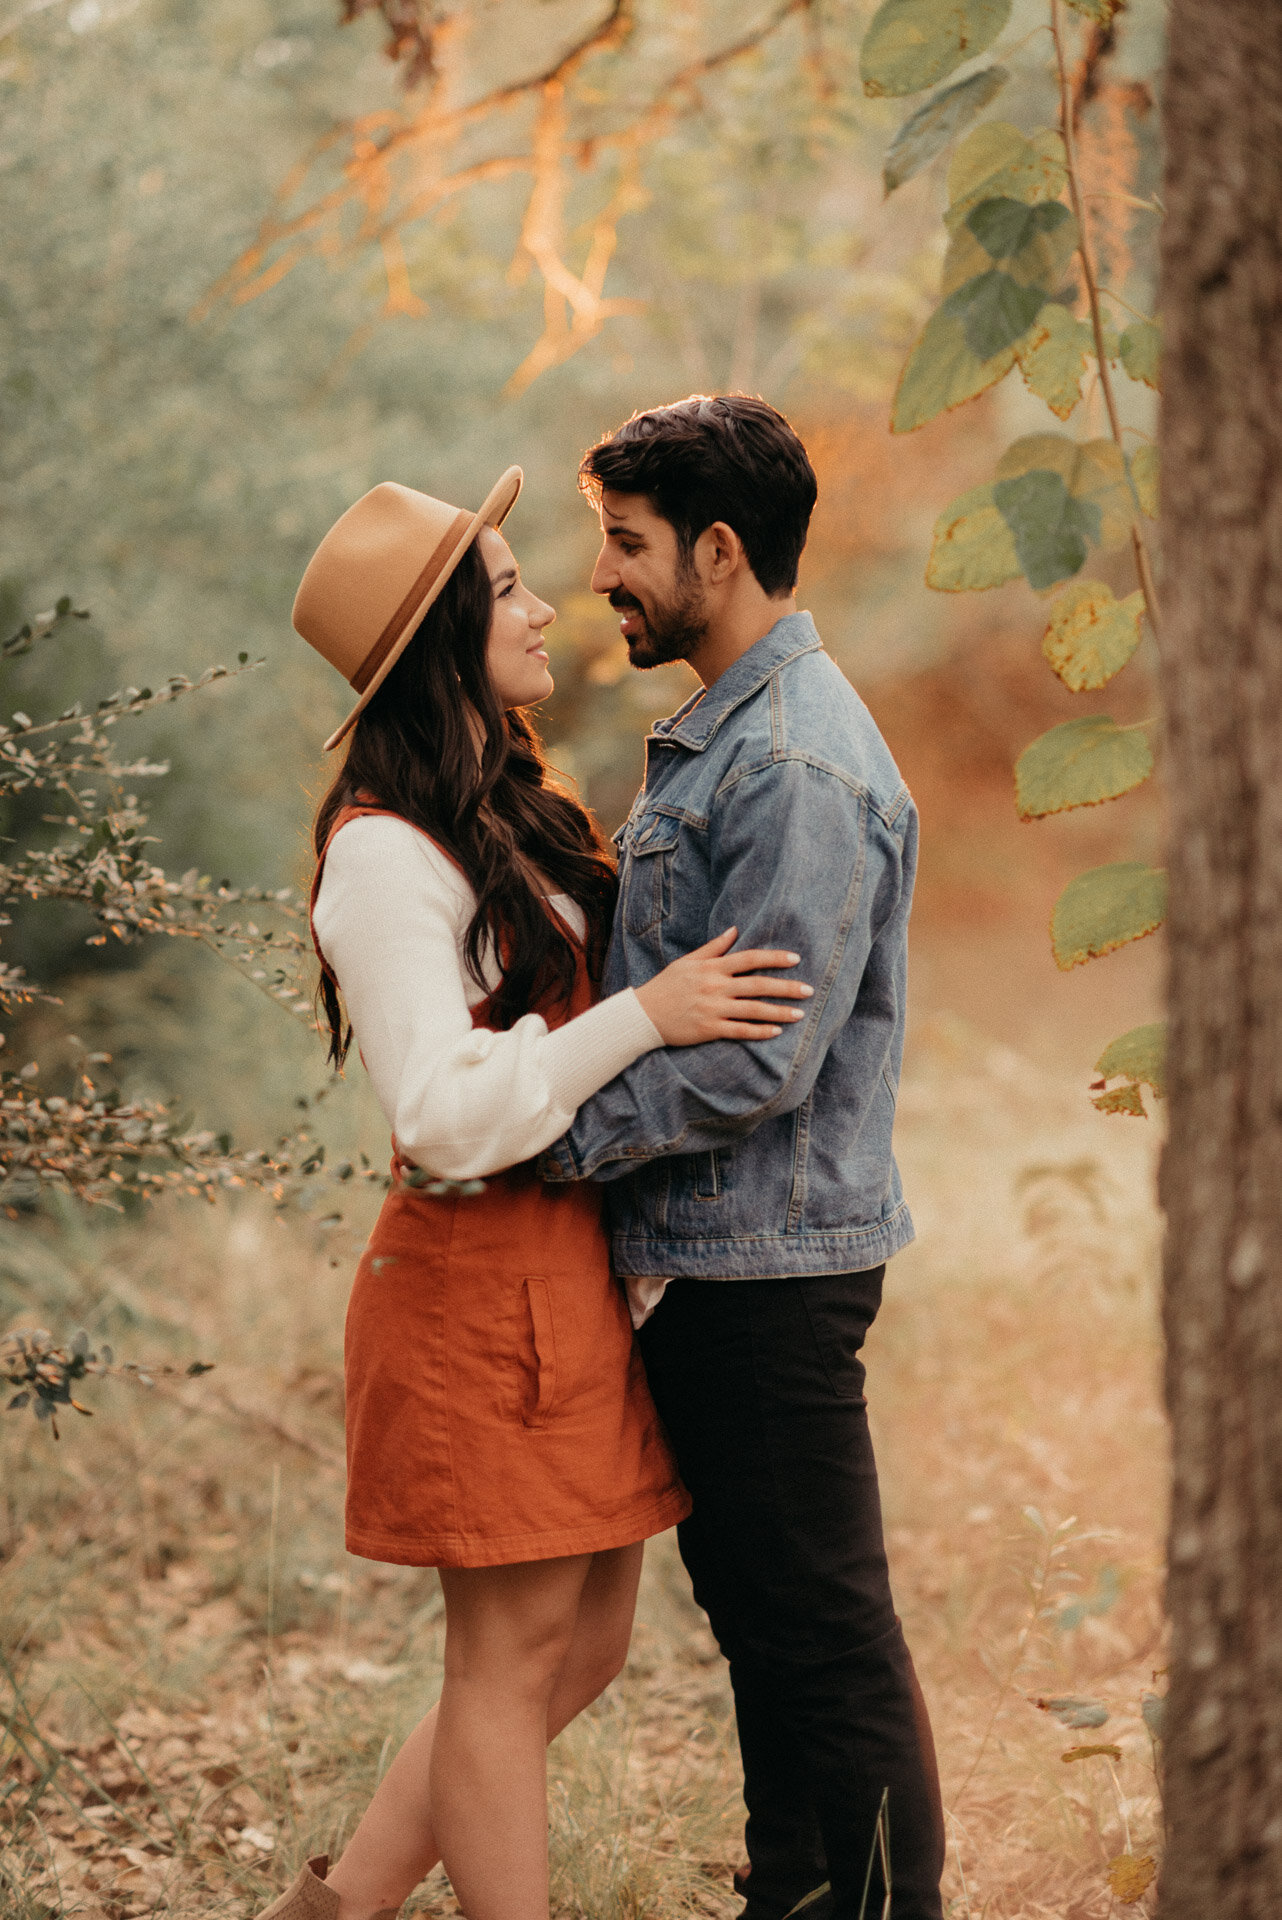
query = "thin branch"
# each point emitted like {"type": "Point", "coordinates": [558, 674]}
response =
{"type": "Point", "coordinates": [1143, 565]}
{"type": "Point", "coordinates": [575, 306]}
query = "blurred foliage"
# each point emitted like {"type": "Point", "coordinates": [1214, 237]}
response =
{"type": "Point", "coordinates": [44, 1372]}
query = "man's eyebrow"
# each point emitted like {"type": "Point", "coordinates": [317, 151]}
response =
{"type": "Point", "coordinates": [621, 526]}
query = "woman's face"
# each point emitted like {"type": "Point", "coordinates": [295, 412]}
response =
{"type": "Point", "coordinates": [515, 655]}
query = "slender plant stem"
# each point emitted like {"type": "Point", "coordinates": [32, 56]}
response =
{"type": "Point", "coordinates": [1143, 564]}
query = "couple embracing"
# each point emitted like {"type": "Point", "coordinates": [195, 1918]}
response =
{"type": "Point", "coordinates": [677, 1084]}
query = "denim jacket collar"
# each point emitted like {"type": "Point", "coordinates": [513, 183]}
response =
{"type": "Point", "coordinates": [694, 724]}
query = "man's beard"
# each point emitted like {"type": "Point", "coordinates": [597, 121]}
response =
{"type": "Point", "coordinates": [673, 628]}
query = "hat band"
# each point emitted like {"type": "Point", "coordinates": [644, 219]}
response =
{"type": "Point", "coordinates": [426, 580]}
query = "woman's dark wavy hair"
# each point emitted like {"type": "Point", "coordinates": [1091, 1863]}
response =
{"type": "Point", "coordinates": [414, 751]}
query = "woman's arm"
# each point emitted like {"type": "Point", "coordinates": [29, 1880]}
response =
{"type": "Point", "coordinates": [462, 1102]}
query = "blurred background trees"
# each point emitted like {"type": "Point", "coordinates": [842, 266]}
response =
{"type": "Point", "coordinates": [226, 313]}
{"type": "Point", "coordinates": [253, 266]}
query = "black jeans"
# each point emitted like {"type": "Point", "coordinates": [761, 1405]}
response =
{"type": "Point", "coordinates": [760, 1385]}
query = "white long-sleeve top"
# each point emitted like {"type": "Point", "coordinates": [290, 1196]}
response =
{"type": "Point", "coordinates": [391, 919]}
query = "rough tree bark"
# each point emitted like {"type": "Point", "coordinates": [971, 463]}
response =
{"type": "Point", "coordinates": [1222, 1171]}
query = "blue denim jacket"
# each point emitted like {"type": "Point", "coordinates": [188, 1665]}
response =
{"type": "Point", "coordinates": [770, 803]}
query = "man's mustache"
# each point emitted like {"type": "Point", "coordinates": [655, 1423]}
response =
{"type": "Point", "coordinates": [623, 601]}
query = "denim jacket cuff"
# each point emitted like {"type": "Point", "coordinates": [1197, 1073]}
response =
{"type": "Point", "coordinates": [558, 1162]}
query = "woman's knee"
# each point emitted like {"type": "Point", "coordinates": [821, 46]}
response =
{"type": "Point", "coordinates": [513, 1633]}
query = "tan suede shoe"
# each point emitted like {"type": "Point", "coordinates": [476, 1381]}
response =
{"type": "Point", "coordinates": [310, 1899]}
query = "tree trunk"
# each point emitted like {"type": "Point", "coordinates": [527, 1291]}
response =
{"type": "Point", "coordinates": [1222, 1171]}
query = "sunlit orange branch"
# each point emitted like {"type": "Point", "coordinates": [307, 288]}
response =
{"type": "Point", "coordinates": [382, 148]}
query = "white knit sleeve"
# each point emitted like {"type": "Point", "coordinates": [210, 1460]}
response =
{"type": "Point", "coordinates": [390, 918]}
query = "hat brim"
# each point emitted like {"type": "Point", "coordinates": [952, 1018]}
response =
{"type": "Point", "coordinates": [492, 512]}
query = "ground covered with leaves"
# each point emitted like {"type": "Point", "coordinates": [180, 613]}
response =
{"type": "Point", "coordinates": [199, 1688]}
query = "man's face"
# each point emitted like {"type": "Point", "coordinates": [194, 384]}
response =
{"type": "Point", "coordinates": [641, 571]}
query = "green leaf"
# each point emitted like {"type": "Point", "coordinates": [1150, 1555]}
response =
{"type": "Point", "coordinates": [1140, 350]}
{"type": "Point", "coordinates": [1138, 1056]}
{"type": "Point", "coordinates": [1092, 634]}
{"type": "Point", "coordinates": [1092, 470]}
{"type": "Point", "coordinates": [997, 161]}
{"type": "Point", "coordinates": [995, 311]}
{"type": "Point", "coordinates": [1004, 226]}
{"type": "Point", "coordinates": [1053, 357]}
{"type": "Point", "coordinates": [1050, 527]}
{"type": "Point", "coordinates": [1105, 908]}
{"type": "Point", "coordinates": [1079, 764]}
{"type": "Point", "coordinates": [1039, 243]}
{"type": "Point", "coordinates": [942, 372]}
{"type": "Point", "coordinates": [1144, 474]}
{"type": "Point", "coordinates": [972, 547]}
{"type": "Point", "coordinates": [913, 43]}
{"type": "Point", "coordinates": [928, 131]}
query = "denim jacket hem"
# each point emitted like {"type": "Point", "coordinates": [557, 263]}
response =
{"type": "Point", "coordinates": [763, 1256]}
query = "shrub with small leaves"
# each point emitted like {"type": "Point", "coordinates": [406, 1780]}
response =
{"type": "Point", "coordinates": [44, 1372]}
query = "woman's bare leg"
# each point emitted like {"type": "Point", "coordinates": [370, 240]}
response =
{"type": "Point", "coordinates": [395, 1844]}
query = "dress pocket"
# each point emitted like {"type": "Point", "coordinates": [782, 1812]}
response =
{"type": "Point", "coordinates": [539, 1404]}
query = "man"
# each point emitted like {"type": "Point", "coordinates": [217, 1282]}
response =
{"type": "Point", "coordinates": [756, 1179]}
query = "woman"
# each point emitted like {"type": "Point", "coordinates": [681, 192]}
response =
{"type": "Point", "coordinates": [499, 1425]}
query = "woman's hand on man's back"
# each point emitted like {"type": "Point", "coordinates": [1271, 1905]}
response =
{"type": "Point", "coordinates": [713, 993]}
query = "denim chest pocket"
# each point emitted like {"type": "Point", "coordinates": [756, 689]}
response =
{"type": "Point", "coordinates": [650, 847]}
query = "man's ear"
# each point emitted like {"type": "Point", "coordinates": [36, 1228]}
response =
{"type": "Point", "coordinates": [722, 553]}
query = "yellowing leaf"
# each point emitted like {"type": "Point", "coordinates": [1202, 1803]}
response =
{"type": "Point", "coordinates": [1092, 634]}
{"type": "Point", "coordinates": [927, 132]}
{"type": "Point", "coordinates": [1091, 1753]}
{"type": "Point", "coordinates": [1052, 357]}
{"type": "Point", "coordinates": [997, 159]}
{"type": "Point", "coordinates": [913, 43]}
{"type": "Point", "coordinates": [1079, 764]}
{"type": "Point", "coordinates": [1140, 350]}
{"type": "Point", "coordinates": [1138, 1056]}
{"type": "Point", "coordinates": [1126, 1099]}
{"type": "Point", "coordinates": [942, 371]}
{"type": "Point", "coordinates": [1144, 473]}
{"type": "Point", "coordinates": [1105, 908]}
{"type": "Point", "coordinates": [1131, 1875]}
{"type": "Point", "coordinates": [972, 547]}
{"type": "Point", "coordinates": [1100, 11]}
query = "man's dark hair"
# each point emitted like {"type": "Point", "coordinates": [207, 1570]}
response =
{"type": "Point", "coordinates": [730, 458]}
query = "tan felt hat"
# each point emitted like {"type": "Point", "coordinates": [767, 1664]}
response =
{"type": "Point", "coordinates": [376, 573]}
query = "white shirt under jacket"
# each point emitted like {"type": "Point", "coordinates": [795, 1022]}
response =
{"type": "Point", "coordinates": [391, 918]}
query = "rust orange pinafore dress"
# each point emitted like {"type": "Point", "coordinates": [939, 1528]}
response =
{"type": "Point", "coordinates": [497, 1408]}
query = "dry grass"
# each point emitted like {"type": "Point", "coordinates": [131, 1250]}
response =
{"type": "Point", "coordinates": [199, 1688]}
